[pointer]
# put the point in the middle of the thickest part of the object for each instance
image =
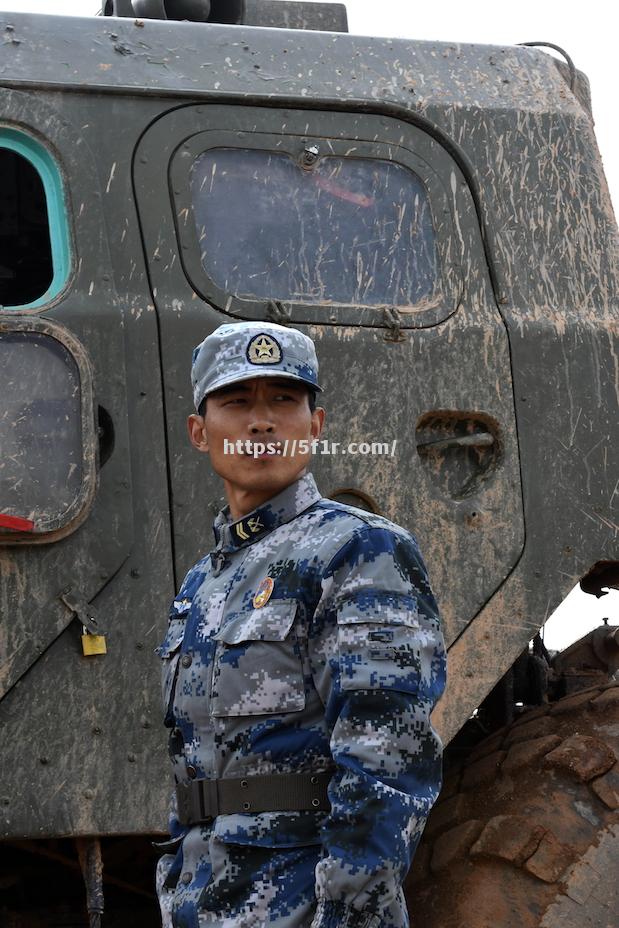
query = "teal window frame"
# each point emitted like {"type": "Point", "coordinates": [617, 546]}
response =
{"type": "Point", "coordinates": [46, 167]}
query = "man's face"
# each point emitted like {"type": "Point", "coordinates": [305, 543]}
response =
{"type": "Point", "coordinates": [261, 410]}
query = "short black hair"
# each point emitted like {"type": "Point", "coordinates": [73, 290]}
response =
{"type": "Point", "coordinates": [311, 400]}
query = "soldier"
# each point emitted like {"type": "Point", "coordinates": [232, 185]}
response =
{"type": "Point", "coordinates": [302, 660]}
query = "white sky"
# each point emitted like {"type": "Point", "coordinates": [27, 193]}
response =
{"type": "Point", "coordinates": [589, 33]}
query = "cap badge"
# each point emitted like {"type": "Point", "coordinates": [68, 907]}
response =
{"type": "Point", "coordinates": [263, 593]}
{"type": "Point", "coordinates": [263, 349]}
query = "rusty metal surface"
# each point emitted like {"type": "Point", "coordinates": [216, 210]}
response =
{"type": "Point", "coordinates": [527, 352]}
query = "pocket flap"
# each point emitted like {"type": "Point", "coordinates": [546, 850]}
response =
{"type": "Point", "coordinates": [271, 622]}
{"type": "Point", "coordinates": [173, 638]}
{"type": "Point", "coordinates": [387, 610]}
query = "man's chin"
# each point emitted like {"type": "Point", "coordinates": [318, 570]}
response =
{"type": "Point", "coordinates": [263, 475]}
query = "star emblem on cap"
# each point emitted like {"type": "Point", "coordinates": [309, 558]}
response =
{"type": "Point", "coordinates": [263, 349]}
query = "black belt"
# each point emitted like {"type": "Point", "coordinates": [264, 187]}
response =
{"type": "Point", "coordinates": [204, 799]}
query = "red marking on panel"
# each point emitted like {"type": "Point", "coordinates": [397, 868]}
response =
{"type": "Point", "coordinates": [15, 522]}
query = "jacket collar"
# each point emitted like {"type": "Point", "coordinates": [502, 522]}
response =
{"type": "Point", "coordinates": [285, 506]}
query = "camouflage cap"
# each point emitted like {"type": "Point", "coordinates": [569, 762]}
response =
{"type": "Point", "coordinates": [242, 350]}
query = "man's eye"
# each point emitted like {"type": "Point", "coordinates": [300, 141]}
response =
{"type": "Point", "coordinates": [285, 396]}
{"type": "Point", "coordinates": [235, 401]}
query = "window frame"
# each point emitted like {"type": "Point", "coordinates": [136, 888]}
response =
{"type": "Point", "coordinates": [25, 145]}
{"type": "Point", "coordinates": [340, 135]}
{"type": "Point", "coordinates": [51, 529]}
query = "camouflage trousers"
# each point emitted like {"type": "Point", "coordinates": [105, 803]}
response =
{"type": "Point", "coordinates": [247, 886]}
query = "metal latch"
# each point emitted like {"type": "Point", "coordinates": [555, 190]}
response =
{"type": "Point", "coordinates": [93, 639]}
{"type": "Point", "coordinates": [393, 323]}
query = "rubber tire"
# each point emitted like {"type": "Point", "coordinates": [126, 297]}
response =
{"type": "Point", "coordinates": [526, 832]}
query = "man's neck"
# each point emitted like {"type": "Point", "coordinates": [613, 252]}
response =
{"type": "Point", "coordinates": [242, 500]}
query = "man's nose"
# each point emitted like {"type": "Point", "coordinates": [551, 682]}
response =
{"type": "Point", "coordinates": [261, 421]}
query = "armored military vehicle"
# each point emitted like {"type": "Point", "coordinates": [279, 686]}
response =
{"type": "Point", "coordinates": [436, 217]}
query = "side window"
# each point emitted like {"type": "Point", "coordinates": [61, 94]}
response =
{"type": "Point", "coordinates": [347, 230]}
{"type": "Point", "coordinates": [34, 239]}
{"type": "Point", "coordinates": [338, 219]}
{"type": "Point", "coordinates": [47, 467]}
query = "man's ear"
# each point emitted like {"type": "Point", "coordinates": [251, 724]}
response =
{"type": "Point", "coordinates": [318, 420]}
{"type": "Point", "coordinates": [197, 432]}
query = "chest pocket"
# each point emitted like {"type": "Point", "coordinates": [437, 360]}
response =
{"type": "Point", "coordinates": [258, 667]}
{"type": "Point", "coordinates": [169, 652]}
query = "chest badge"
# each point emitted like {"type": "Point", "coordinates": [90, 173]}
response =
{"type": "Point", "coordinates": [263, 593]}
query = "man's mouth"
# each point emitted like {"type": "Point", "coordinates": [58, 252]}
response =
{"type": "Point", "coordinates": [262, 449]}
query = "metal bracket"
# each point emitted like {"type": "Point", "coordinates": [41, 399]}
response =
{"type": "Point", "coordinates": [393, 322]}
{"type": "Point", "coordinates": [277, 313]}
{"type": "Point", "coordinates": [86, 613]}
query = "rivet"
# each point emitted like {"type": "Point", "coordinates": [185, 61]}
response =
{"type": "Point", "coordinates": [315, 802]}
{"type": "Point", "coordinates": [89, 794]}
{"type": "Point", "coordinates": [246, 805]}
{"type": "Point", "coordinates": [244, 784]}
{"type": "Point", "coordinates": [131, 758]}
{"type": "Point", "coordinates": [44, 760]}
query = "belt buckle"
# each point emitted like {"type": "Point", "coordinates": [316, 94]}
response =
{"type": "Point", "coordinates": [206, 800]}
{"type": "Point", "coordinates": [184, 797]}
{"type": "Point", "coordinates": [198, 801]}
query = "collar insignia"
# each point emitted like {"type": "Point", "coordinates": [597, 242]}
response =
{"type": "Point", "coordinates": [243, 527]}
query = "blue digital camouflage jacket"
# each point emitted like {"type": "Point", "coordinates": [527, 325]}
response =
{"type": "Point", "coordinates": [335, 664]}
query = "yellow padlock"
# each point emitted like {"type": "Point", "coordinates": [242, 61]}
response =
{"type": "Point", "coordinates": [93, 644]}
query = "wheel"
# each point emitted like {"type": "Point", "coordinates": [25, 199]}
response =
{"type": "Point", "coordinates": [526, 833]}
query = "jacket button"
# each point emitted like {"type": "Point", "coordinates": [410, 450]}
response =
{"type": "Point", "coordinates": [186, 878]}
{"type": "Point", "coordinates": [192, 773]}
{"type": "Point", "coordinates": [186, 660]}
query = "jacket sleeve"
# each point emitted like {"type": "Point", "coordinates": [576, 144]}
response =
{"type": "Point", "coordinates": [378, 662]}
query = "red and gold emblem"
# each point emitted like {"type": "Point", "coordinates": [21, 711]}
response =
{"type": "Point", "coordinates": [263, 593]}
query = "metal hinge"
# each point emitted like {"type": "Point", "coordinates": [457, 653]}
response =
{"type": "Point", "coordinates": [84, 612]}
{"type": "Point", "coordinates": [393, 322]}
{"type": "Point", "coordinates": [277, 313]}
